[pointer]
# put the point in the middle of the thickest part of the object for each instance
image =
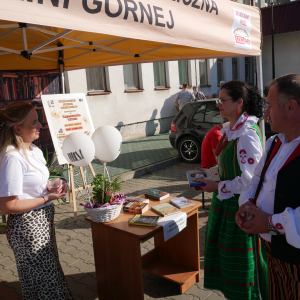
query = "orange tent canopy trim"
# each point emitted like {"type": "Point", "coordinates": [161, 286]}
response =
{"type": "Point", "coordinates": [42, 34]}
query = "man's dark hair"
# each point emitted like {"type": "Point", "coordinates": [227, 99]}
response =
{"type": "Point", "coordinates": [266, 91]}
{"type": "Point", "coordinates": [194, 87]}
{"type": "Point", "coordinates": [288, 86]}
{"type": "Point", "coordinates": [185, 85]}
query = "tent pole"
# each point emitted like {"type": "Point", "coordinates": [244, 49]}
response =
{"type": "Point", "coordinates": [54, 38]}
{"type": "Point", "coordinates": [196, 73]}
{"type": "Point", "coordinates": [273, 55]}
{"type": "Point", "coordinates": [260, 87]}
{"type": "Point", "coordinates": [24, 38]}
{"type": "Point", "coordinates": [61, 69]}
{"type": "Point", "coordinates": [8, 32]}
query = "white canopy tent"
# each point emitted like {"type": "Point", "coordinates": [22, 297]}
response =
{"type": "Point", "coordinates": [67, 35]}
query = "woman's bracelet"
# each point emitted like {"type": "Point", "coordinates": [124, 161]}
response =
{"type": "Point", "coordinates": [44, 199]}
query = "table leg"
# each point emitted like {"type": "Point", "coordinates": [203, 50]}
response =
{"type": "Point", "coordinates": [118, 264]}
{"type": "Point", "coordinates": [182, 249]}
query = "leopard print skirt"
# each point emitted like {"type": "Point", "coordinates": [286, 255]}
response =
{"type": "Point", "coordinates": [31, 236]}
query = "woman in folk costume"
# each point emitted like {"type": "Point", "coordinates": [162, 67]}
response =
{"type": "Point", "coordinates": [230, 262]}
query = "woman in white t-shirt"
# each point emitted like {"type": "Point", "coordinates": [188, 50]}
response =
{"type": "Point", "coordinates": [24, 196]}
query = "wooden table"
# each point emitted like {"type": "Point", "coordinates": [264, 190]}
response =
{"type": "Point", "coordinates": [118, 259]}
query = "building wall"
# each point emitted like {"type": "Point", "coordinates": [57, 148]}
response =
{"type": "Point", "coordinates": [136, 114]}
{"type": "Point", "coordinates": [148, 112]}
{"type": "Point", "coordinates": [286, 53]}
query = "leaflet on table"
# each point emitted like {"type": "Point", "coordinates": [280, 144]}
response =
{"type": "Point", "coordinates": [66, 113]}
{"type": "Point", "coordinates": [195, 176]}
{"type": "Point", "coordinates": [173, 224]}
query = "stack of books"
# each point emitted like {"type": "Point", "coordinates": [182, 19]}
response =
{"type": "Point", "coordinates": [181, 202]}
{"type": "Point", "coordinates": [165, 209]}
{"type": "Point", "coordinates": [157, 194]}
{"type": "Point", "coordinates": [143, 220]}
{"type": "Point", "coordinates": [135, 207]}
{"type": "Point", "coordinates": [136, 199]}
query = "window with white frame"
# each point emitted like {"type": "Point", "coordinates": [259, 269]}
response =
{"type": "Point", "coordinates": [183, 71]}
{"type": "Point", "coordinates": [131, 77]}
{"type": "Point", "coordinates": [160, 78]}
{"type": "Point", "coordinates": [234, 68]}
{"type": "Point", "coordinates": [96, 79]}
{"type": "Point", "coordinates": [220, 71]}
{"type": "Point", "coordinates": [203, 72]}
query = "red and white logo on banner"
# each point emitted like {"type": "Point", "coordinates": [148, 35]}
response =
{"type": "Point", "coordinates": [241, 29]}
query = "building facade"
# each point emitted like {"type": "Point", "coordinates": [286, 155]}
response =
{"type": "Point", "coordinates": [286, 39]}
{"type": "Point", "coordinates": [139, 99]}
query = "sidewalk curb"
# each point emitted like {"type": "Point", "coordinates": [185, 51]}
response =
{"type": "Point", "coordinates": [150, 168]}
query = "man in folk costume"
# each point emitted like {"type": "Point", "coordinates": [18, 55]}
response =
{"type": "Point", "coordinates": [273, 195]}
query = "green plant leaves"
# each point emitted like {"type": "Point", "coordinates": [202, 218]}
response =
{"type": "Point", "coordinates": [111, 186]}
{"type": "Point", "coordinates": [54, 172]}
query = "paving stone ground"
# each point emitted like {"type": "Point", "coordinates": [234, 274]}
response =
{"type": "Point", "coordinates": [74, 241]}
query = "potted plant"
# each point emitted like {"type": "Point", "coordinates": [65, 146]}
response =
{"type": "Point", "coordinates": [111, 189]}
{"type": "Point", "coordinates": [55, 171]}
{"type": "Point", "coordinates": [106, 204]}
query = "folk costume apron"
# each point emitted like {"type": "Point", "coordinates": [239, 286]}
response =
{"type": "Point", "coordinates": [230, 261]}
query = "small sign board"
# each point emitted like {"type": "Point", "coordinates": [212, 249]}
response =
{"type": "Point", "coordinates": [66, 113]}
{"type": "Point", "coordinates": [173, 224]}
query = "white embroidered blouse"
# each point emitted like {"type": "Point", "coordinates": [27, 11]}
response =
{"type": "Point", "coordinates": [249, 152]}
{"type": "Point", "coordinates": [287, 222]}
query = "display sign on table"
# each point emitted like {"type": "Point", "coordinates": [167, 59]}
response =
{"type": "Point", "coordinates": [66, 113]}
{"type": "Point", "coordinates": [173, 224]}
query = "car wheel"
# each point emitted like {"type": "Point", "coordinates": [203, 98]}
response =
{"type": "Point", "coordinates": [189, 149]}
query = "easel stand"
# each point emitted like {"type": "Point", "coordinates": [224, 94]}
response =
{"type": "Point", "coordinates": [73, 190]}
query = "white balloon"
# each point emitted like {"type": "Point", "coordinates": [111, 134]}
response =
{"type": "Point", "coordinates": [108, 142]}
{"type": "Point", "coordinates": [78, 149]}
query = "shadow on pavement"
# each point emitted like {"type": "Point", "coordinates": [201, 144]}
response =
{"type": "Point", "coordinates": [84, 286]}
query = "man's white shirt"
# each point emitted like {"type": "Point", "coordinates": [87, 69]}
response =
{"type": "Point", "coordinates": [287, 222]}
{"type": "Point", "coordinates": [183, 97]}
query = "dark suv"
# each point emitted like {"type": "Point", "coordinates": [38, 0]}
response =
{"type": "Point", "coordinates": [190, 125]}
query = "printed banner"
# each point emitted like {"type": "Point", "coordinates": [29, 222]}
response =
{"type": "Point", "coordinates": [116, 32]}
{"type": "Point", "coordinates": [66, 113]}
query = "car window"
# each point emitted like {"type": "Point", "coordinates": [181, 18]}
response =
{"type": "Point", "coordinates": [199, 115]}
{"type": "Point", "coordinates": [182, 122]}
{"type": "Point", "coordinates": [212, 114]}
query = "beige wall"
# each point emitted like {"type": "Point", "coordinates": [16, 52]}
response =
{"type": "Point", "coordinates": [151, 111]}
{"type": "Point", "coordinates": [287, 55]}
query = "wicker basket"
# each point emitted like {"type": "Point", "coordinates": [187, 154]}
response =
{"type": "Point", "coordinates": [104, 214]}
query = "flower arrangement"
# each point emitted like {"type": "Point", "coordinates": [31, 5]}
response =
{"type": "Point", "coordinates": [111, 195]}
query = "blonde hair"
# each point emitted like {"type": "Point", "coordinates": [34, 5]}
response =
{"type": "Point", "coordinates": [14, 114]}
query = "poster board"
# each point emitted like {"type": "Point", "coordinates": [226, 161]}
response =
{"type": "Point", "coordinates": [66, 113]}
